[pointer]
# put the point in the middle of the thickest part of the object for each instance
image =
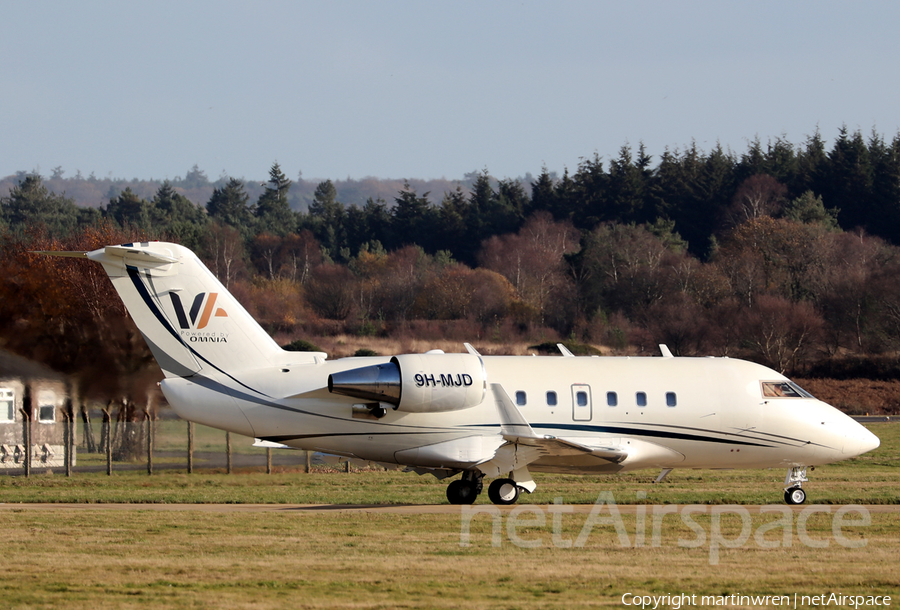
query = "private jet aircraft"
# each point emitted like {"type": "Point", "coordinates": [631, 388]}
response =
{"type": "Point", "coordinates": [501, 417]}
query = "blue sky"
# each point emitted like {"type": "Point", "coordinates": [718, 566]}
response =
{"type": "Point", "coordinates": [398, 89]}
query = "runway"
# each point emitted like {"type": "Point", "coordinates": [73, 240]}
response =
{"type": "Point", "coordinates": [407, 509]}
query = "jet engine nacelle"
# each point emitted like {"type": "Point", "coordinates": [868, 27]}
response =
{"type": "Point", "coordinates": [417, 383]}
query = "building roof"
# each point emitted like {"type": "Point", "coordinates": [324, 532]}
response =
{"type": "Point", "coordinates": [12, 365]}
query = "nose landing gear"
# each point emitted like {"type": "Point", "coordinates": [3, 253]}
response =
{"type": "Point", "coordinates": [793, 493]}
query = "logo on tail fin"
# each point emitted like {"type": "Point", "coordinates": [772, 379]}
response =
{"type": "Point", "coordinates": [200, 313]}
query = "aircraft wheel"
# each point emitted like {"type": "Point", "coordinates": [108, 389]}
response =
{"type": "Point", "coordinates": [795, 495]}
{"type": "Point", "coordinates": [503, 491]}
{"type": "Point", "coordinates": [461, 492]}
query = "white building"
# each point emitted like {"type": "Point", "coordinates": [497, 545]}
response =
{"type": "Point", "coordinates": [27, 387]}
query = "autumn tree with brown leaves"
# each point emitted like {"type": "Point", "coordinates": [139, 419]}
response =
{"type": "Point", "coordinates": [65, 312]}
{"type": "Point", "coordinates": [780, 331]}
{"type": "Point", "coordinates": [533, 260]}
{"type": "Point", "coordinates": [757, 196]}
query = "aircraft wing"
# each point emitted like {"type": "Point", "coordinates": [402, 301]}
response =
{"type": "Point", "coordinates": [523, 446]}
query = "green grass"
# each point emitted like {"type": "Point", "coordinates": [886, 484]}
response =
{"type": "Point", "coordinates": [171, 435]}
{"type": "Point", "coordinates": [287, 557]}
{"type": "Point", "coordinates": [869, 479]}
{"type": "Point", "coordinates": [187, 559]}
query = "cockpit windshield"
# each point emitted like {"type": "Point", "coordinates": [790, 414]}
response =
{"type": "Point", "coordinates": [783, 389]}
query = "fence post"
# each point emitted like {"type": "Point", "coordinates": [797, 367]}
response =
{"type": "Point", "coordinates": [268, 460]}
{"type": "Point", "coordinates": [107, 424]}
{"type": "Point", "coordinates": [149, 421]}
{"type": "Point", "coordinates": [308, 461]}
{"type": "Point", "coordinates": [26, 441]}
{"type": "Point", "coordinates": [89, 443]}
{"type": "Point", "coordinates": [70, 412]}
{"type": "Point", "coordinates": [190, 447]}
{"type": "Point", "coordinates": [67, 442]}
{"type": "Point", "coordinates": [228, 449]}
{"type": "Point", "coordinates": [73, 425]}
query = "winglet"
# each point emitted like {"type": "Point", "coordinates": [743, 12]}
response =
{"type": "Point", "coordinates": [511, 421]}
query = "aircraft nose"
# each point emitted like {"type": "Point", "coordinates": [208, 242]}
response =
{"type": "Point", "coordinates": [859, 441]}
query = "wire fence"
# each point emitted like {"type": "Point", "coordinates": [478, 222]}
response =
{"type": "Point", "coordinates": [149, 444]}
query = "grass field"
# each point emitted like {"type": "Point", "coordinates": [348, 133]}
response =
{"type": "Point", "coordinates": [373, 559]}
{"type": "Point", "coordinates": [187, 559]}
{"type": "Point", "coordinates": [868, 479]}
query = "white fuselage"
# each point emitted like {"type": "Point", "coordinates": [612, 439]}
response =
{"type": "Point", "coordinates": [486, 416]}
{"type": "Point", "coordinates": [694, 413]}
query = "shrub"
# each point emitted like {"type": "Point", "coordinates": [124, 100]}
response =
{"type": "Point", "coordinates": [301, 345]}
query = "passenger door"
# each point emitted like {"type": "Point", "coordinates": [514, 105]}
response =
{"type": "Point", "coordinates": [581, 402]}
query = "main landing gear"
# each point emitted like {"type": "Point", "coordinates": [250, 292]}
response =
{"type": "Point", "coordinates": [466, 489]}
{"type": "Point", "coordinates": [793, 493]}
{"type": "Point", "coordinates": [501, 491]}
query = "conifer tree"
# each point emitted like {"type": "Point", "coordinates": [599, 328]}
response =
{"type": "Point", "coordinates": [230, 205]}
{"type": "Point", "coordinates": [129, 210]}
{"type": "Point", "coordinates": [810, 209]}
{"type": "Point", "coordinates": [328, 219]}
{"type": "Point", "coordinates": [543, 195]}
{"type": "Point", "coordinates": [177, 217]}
{"type": "Point", "coordinates": [273, 213]}
{"type": "Point", "coordinates": [413, 217]}
{"type": "Point", "coordinates": [30, 203]}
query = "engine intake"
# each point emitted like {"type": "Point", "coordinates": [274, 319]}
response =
{"type": "Point", "coordinates": [417, 383]}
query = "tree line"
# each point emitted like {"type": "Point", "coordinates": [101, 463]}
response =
{"type": "Point", "coordinates": [785, 254]}
{"type": "Point", "coordinates": [857, 177]}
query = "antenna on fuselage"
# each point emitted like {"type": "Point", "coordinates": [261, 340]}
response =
{"type": "Point", "coordinates": [565, 351]}
{"type": "Point", "coordinates": [666, 353]}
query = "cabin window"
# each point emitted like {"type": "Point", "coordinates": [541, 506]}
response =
{"type": "Point", "coordinates": [520, 398]}
{"type": "Point", "coordinates": [671, 399]}
{"type": "Point", "coordinates": [783, 389]}
{"type": "Point", "coordinates": [581, 398]}
{"type": "Point", "coordinates": [47, 414]}
{"type": "Point", "coordinates": [641, 399]}
{"type": "Point", "coordinates": [551, 399]}
{"type": "Point", "coordinates": [612, 399]}
{"type": "Point", "coordinates": [7, 405]}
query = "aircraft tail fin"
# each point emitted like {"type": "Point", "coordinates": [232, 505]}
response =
{"type": "Point", "coordinates": [188, 318]}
